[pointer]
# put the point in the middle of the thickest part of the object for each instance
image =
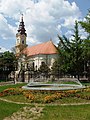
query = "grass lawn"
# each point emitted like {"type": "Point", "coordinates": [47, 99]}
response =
{"type": "Point", "coordinates": [61, 82]}
{"type": "Point", "coordinates": [9, 86]}
{"type": "Point", "coordinates": [50, 111]}
{"type": "Point", "coordinates": [81, 112]}
{"type": "Point", "coordinates": [6, 109]}
{"type": "Point", "coordinates": [87, 84]}
{"type": "Point", "coordinates": [65, 100]}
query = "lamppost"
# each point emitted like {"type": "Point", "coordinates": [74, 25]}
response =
{"type": "Point", "coordinates": [22, 72]}
{"type": "Point", "coordinates": [85, 72]}
{"type": "Point", "coordinates": [15, 68]}
{"type": "Point", "coordinates": [88, 65]}
{"type": "Point", "coordinates": [28, 69]}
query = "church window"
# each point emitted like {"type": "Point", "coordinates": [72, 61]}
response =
{"type": "Point", "coordinates": [33, 65]}
{"type": "Point", "coordinates": [18, 40]}
{"type": "Point", "coordinates": [22, 41]}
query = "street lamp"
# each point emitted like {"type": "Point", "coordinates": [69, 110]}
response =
{"type": "Point", "coordinates": [84, 72]}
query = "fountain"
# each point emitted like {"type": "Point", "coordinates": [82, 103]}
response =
{"type": "Point", "coordinates": [72, 83]}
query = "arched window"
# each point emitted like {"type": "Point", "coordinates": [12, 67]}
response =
{"type": "Point", "coordinates": [22, 41]}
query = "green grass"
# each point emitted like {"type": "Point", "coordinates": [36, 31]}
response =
{"type": "Point", "coordinates": [51, 111]}
{"type": "Point", "coordinates": [81, 112]}
{"type": "Point", "coordinates": [86, 84]}
{"type": "Point", "coordinates": [9, 86]}
{"type": "Point", "coordinates": [39, 96]}
{"type": "Point", "coordinates": [6, 109]}
{"type": "Point", "coordinates": [61, 82]}
{"type": "Point", "coordinates": [65, 100]}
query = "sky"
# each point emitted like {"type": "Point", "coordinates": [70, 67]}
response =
{"type": "Point", "coordinates": [43, 19]}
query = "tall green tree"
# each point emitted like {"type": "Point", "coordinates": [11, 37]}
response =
{"type": "Point", "coordinates": [86, 52]}
{"type": "Point", "coordinates": [70, 53]}
{"type": "Point", "coordinates": [7, 64]}
{"type": "Point", "coordinates": [61, 65]}
{"type": "Point", "coordinates": [76, 52]}
{"type": "Point", "coordinates": [86, 24]}
{"type": "Point", "coordinates": [64, 54]}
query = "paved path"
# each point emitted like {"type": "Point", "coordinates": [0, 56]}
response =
{"type": "Point", "coordinates": [6, 83]}
{"type": "Point", "coordinates": [5, 100]}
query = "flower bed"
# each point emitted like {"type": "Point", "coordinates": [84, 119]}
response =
{"type": "Point", "coordinates": [42, 96]}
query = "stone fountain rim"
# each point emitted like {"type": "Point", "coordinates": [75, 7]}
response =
{"type": "Point", "coordinates": [36, 86]}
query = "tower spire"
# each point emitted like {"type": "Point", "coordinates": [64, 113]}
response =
{"type": "Point", "coordinates": [21, 28]}
{"type": "Point", "coordinates": [21, 37]}
{"type": "Point", "coordinates": [22, 17]}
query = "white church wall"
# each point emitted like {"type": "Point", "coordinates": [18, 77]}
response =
{"type": "Point", "coordinates": [38, 59]}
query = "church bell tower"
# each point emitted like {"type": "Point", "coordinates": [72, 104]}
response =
{"type": "Point", "coordinates": [21, 37]}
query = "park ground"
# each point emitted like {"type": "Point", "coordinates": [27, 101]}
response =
{"type": "Point", "coordinates": [15, 107]}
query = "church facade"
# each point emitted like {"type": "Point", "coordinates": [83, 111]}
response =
{"type": "Point", "coordinates": [33, 56]}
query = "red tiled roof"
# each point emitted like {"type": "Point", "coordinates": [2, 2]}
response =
{"type": "Point", "coordinates": [44, 48]}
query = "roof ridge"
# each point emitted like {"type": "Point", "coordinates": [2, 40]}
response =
{"type": "Point", "coordinates": [41, 43]}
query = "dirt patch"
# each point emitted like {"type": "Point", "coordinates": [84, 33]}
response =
{"type": "Point", "coordinates": [26, 113]}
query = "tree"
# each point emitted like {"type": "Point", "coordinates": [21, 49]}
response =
{"type": "Point", "coordinates": [76, 52]}
{"type": "Point", "coordinates": [56, 69]}
{"type": "Point", "coordinates": [7, 63]}
{"type": "Point", "coordinates": [13, 49]}
{"type": "Point", "coordinates": [86, 52]}
{"type": "Point", "coordinates": [70, 52]}
{"type": "Point", "coordinates": [44, 69]}
{"type": "Point", "coordinates": [64, 54]}
{"type": "Point", "coordinates": [86, 24]}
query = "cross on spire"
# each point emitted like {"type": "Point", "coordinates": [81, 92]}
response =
{"type": "Point", "coordinates": [22, 17]}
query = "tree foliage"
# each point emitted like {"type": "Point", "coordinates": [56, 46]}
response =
{"type": "Point", "coordinates": [76, 49]}
{"type": "Point", "coordinates": [86, 52]}
{"type": "Point", "coordinates": [44, 69]}
{"type": "Point", "coordinates": [86, 24]}
{"type": "Point", "coordinates": [7, 63]}
{"type": "Point", "coordinates": [74, 54]}
{"type": "Point", "coordinates": [70, 54]}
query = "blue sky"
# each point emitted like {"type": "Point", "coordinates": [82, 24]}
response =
{"type": "Point", "coordinates": [83, 5]}
{"type": "Point", "coordinates": [43, 19]}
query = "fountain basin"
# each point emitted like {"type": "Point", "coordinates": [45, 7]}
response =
{"type": "Point", "coordinates": [40, 86]}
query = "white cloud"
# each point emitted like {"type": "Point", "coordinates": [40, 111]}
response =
{"type": "Point", "coordinates": [6, 30]}
{"type": "Point", "coordinates": [2, 49]}
{"type": "Point", "coordinates": [43, 20]}
{"type": "Point", "coordinates": [82, 33]}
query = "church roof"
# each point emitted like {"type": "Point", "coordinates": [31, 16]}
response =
{"type": "Point", "coordinates": [43, 48]}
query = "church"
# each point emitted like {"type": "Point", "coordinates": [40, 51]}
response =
{"type": "Point", "coordinates": [33, 56]}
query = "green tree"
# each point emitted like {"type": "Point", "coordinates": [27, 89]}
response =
{"type": "Point", "coordinates": [56, 69]}
{"type": "Point", "coordinates": [70, 53]}
{"type": "Point", "coordinates": [61, 65]}
{"type": "Point", "coordinates": [44, 69]}
{"type": "Point", "coordinates": [86, 24]}
{"type": "Point", "coordinates": [7, 64]}
{"type": "Point", "coordinates": [86, 45]}
{"type": "Point", "coordinates": [64, 54]}
{"type": "Point", "coordinates": [76, 52]}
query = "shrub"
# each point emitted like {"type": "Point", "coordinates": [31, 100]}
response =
{"type": "Point", "coordinates": [49, 99]}
{"type": "Point", "coordinates": [11, 91]}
